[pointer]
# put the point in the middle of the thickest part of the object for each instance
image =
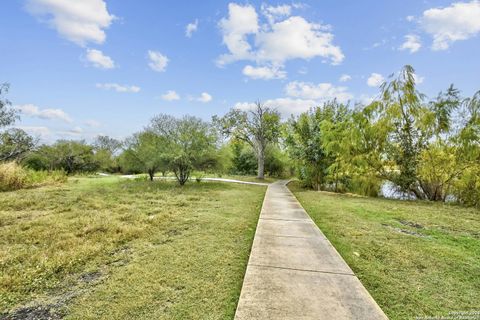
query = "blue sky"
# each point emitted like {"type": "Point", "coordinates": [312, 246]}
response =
{"type": "Point", "coordinates": [79, 69]}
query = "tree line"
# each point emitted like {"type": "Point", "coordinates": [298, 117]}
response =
{"type": "Point", "coordinates": [426, 148]}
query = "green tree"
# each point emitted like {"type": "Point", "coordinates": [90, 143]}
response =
{"type": "Point", "coordinates": [70, 156]}
{"type": "Point", "coordinates": [192, 144]}
{"type": "Point", "coordinates": [258, 127]}
{"type": "Point", "coordinates": [106, 151]}
{"type": "Point", "coordinates": [148, 152]}
{"type": "Point", "coordinates": [315, 140]}
{"type": "Point", "coordinates": [15, 144]}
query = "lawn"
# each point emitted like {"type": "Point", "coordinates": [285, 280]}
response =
{"type": "Point", "coordinates": [122, 249]}
{"type": "Point", "coordinates": [415, 258]}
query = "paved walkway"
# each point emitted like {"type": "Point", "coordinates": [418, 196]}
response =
{"type": "Point", "coordinates": [295, 273]}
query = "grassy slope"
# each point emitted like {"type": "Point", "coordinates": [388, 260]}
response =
{"type": "Point", "coordinates": [408, 275]}
{"type": "Point", "coordinates": [121, 249]}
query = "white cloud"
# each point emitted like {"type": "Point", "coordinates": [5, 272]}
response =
{"type": "Point", "coordinates": [319, 92]}
{"type": "Point", "coordinates": [265, 73]}
{"type": "Point", "coordinates": [92, 123]}
{"type": "Point", "coordinates": [191, 28]}
{"type": "Point", "coordinates": [205, 97]}
{"type": "Point", "coordinates": [418, 79]}
{"type": "Point", "coordinates": [459, 21]}
{"type": "Point", "coordinates": [412, 43]}
{"type": "Point", "coordinates": [296, 38]}
{"type": "Point", "coordinates": [286, 106]}
{"type": "Point", "coordinates": [409, 18]}
{"type": "Point", "coordinates": [366, 99]}
{"type": "Point", "coordinates": [302, 70]}
{"type": "Point", "coordinates": [375, 80]}
{"type": "Point", "coordinates": [47, 114]}
{"type": "Point", "coordinates": [274, 13]}
{"type": "Point", "coordinates": [118, 87]}
{"type": "Point", "coordinates": [282, 38]}
{"type": "Point", "coordinates": [99, 60]}
{"type": "Point", "coordinates": [77, 130]}
{"type": "Point", "coordinates": [345, 78]}
{"type": "Point", "coordinates": [241, 21]}
{"type": "Point", "coordinates": [41, 132]}
{"type": "Point", "coordinates": [78, 21]}
{"type": "Point", "coordinates": [158, 62]}
{"type": "Point", "coordinates": [170, 95]}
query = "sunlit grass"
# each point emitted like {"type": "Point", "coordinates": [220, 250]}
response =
{"type": "Point", "coordinates": [415, 258]}
{"type": "Point", "coordinates": [118, 248]}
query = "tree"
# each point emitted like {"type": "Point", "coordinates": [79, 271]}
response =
{"type": "Point", "coordinates": [106, 150]}
{"type": "Point", "coordinates": [315, 140]}
{"type": "Point", "coordinates": [191, 146]}
{"type": "Point", "coordinates": [7, 115]}
{"type": "Point", "coordinates": [70, 156]}
{"type": "Point", "coordinates": [244, 161]}
{"type": "Point", "coordinates": [258, 127]}
{"type": "Point", "coordinates": [148, 152]}
{"type": "Point", "coordinates": [15, 144]}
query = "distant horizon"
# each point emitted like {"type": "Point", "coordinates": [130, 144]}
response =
{"type": "Point", "coordinates": [106, 67]}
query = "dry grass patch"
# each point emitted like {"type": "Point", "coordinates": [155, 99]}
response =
{"type": "Point", "coordinates": [116, 248]}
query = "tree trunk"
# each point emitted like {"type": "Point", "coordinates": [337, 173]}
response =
{"type": "Point", "coordinates": [151, 173]}
{"type": "Point", "coordinates": [261, 164]}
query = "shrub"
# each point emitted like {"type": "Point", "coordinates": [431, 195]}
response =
{"type": "Point", "coordinates": [39, 178]}
{"type": "Point", "coordinates": [467, 188]}
{"type": "Point", "coordinates": [12, 176]}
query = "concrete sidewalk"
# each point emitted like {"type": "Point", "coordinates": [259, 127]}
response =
{"type": "Point", "coordinates": [295, 273]}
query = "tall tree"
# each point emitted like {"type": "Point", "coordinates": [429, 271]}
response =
{"type": "Point", "coordinates": [258, 127]}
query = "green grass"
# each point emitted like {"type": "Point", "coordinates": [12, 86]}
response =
{"type": "Point", "coordinates": [432, 270]}
{"type": "Point", "coordinates": [97, 248]}
{"type": "Point", "coordinates": [242, 178]}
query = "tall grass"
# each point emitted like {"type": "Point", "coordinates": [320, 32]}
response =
{"type": "Point", "coordinates": [13, 177]}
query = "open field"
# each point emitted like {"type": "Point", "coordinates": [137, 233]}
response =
{"type": "Point", "coordinates": [98, 247]}
{"type": "Point", "coordinates": [415, 258]}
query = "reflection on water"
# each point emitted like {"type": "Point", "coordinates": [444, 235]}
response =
{"type": "Point", "coordinates": [391, 191]}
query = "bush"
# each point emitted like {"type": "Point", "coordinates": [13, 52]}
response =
{"type": "Point", "coordinates": [467, 188]}
{"type": "Point", "coordinates": [12, 176]}
{"type": "Point", "coordinates": [365, 185]}
{"type": "Point", "coordinates": [38, 178]}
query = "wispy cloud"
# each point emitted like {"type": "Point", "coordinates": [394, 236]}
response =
{"type": "Point", "coordinates": [32, 110]}
{"type": "Point", "coordinates": [118, 87]}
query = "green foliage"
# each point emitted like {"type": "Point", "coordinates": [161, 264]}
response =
{"type": "Point", "coordinates": [189, 144]}
{"type": "Point", "coordinates": [70, 156]}
{"type": "Point", "coordinates": [146, 152]}
{"type": "Point", "coordinates": [106, 151]}
{"type": "Point", "coordinates": [15, 144]}
{"type": "Point", "coordinates": [423, 148]}
{"type": "Point", "coordinates": [244, 161]}
{"type": "Point", "coordinates": [276, 162]}
{"type": "Point", "coordinates": [466, 189]}
{"type": "Point", "coordinates": [316, 140]}
{"type": "Point", "coordinates": [7, 115]}
{"type": "Point", "coordinates": [258, 127]}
